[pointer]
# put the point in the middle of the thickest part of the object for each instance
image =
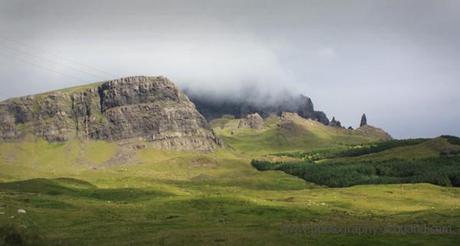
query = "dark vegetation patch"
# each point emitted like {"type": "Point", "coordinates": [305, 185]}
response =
{"type": "Point", "coordinates": [53, 187]}
{"type": "Point", "coordinates": [443, 170]}
{"type": "Point", "coordinates": [39, 202]}
{"type": "Point", "coordinates": [353, 151]}
{"type": "Point", "coordinates": [74, 182]}
{"type": "Point", "coordinates": [15, 236]}
{"type": "Point", "coordinates": [452, 139]}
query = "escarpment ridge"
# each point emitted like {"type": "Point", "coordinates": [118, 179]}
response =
{"type": "Point", "coordinates": [142, 107]}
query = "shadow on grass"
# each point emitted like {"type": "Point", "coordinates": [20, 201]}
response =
{"type": "Point", "coordinates": [80, 189]}
{"type": "Point", "coordinates": [15, 236]}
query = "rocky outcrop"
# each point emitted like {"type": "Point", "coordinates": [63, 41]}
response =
{"type": "Point", "coordinates": [213, 108]}
{"type": "Point", "coordinates": [363, 120]}
{"type": "Point", "coordinates": [295, 124]}
{"type": "Point", "coordinates": [335, 123]}
{"type": "Point", "coordinates": [47, 116]}
{"type": "Point", "coordinates": [146, 108]}
{"type": "Point", "coordinates": [366, 129]}
{"type": "Point", "coordinates": [254, 121]}
{"type": "Point", "coordinates": [304, 108]}
{"type": "Point", "coordinates": [7, 124]}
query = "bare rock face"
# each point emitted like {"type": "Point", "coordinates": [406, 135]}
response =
{"type": "Point", "coordinates": [7, 124]}
{"type": "Point", "coordinates": [147, 108]}
{"type": "Point", "coordinates": [363, 120]}
{"type": "Point", "coordinates": [289, 116]}
{"type": "Point", "coordinates": [46, 116]}
{"type": "Point", "coordinates": [254, 121]}
{"type": "Point", "coordinates": [335, 123]}
{"type": "Point", "coordinates": [213, 108]}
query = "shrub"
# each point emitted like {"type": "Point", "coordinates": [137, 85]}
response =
{"type": "Point", "coordinates": [452, 139]}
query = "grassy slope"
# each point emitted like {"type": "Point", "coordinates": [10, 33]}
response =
{"type": "Point", "coordinates": [190, 198]}
{"type": "Point", "coordinates": [433, 161]}
{"type": "Point", "coordinates": [74, 89]}
{"type": "Point", "coordinates": [430, 148]}
{"type": "Point", "coordinates": [303, 135]}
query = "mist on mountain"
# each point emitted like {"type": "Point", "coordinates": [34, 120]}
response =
{"type": "Point", "coordinates": [253, 100]}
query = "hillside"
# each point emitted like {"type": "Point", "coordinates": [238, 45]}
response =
{"type": "Point", "coordinates": [291, 132]}
{"type": "Point", "coordinates": [252, 102]}
{"type": "Point", "coordinates": [78, 194]}
{"type": "Point", "coordinates": [91, 191]}
{"type": "Point", "coordinates": [435, 161]}
{"type": "Point", "coordinates": [152, 109]}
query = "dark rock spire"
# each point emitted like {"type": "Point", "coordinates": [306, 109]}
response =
{"type": "Point", "coordinates": [335, 123]}
{"type": "Point", "coordinates": [363, 120]}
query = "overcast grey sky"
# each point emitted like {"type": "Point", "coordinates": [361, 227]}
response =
{"type": "Point", "coordinates": [398, 60]}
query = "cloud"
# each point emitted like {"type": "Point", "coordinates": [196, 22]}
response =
{"type": "Point", "coordinates": [390, 59]}
{"type": "Point", "coordinates": [327, 53]}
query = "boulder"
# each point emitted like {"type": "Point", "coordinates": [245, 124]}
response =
{"type": "Point", "coordinates": [254, 121]}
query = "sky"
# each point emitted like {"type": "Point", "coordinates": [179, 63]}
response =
{"type": "Point", "coordinates": [397, 61]}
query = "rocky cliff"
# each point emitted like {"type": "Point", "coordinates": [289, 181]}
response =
{"type": "Point", "coordinates": [213, 108]}
{"type": "Point", "coordinates": [146, 108]}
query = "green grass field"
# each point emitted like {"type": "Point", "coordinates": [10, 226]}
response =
{"type": "Point", "coordinates": [99, 193]}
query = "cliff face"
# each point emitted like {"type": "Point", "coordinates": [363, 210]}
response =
{"type": "Point", "coordinates": [213, 108]}
{"type": "Point", "coordinates": [147, 108]}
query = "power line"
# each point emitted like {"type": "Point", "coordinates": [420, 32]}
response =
{"type": "Point", "coordinates": [55, 54]}
{"type": "Point", "coordinates": [40, 66]}
{"type": "Point", "coordinates": [41, 59]}
{"type": "Point", "coordinates": [22, 52]}
{"type": "Point", "coordinates": [5, 52]}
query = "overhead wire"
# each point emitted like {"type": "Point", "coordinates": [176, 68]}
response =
{"type": "Point", "coordinates": [42, 58]}
{"type": "Point", "coordinates": [71, 61]}
{"type": "Point", "coordinates": [22, 52]}
{"type": "Point", "coordinates": [28, 59]}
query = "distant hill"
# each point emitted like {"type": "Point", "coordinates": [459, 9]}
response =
{"type": "Point", "coordinates": [213, 108]}
{"type": "Point", "coordinates": [290, 132]}
{"type": "Point", "coordinates": [154, 110]}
